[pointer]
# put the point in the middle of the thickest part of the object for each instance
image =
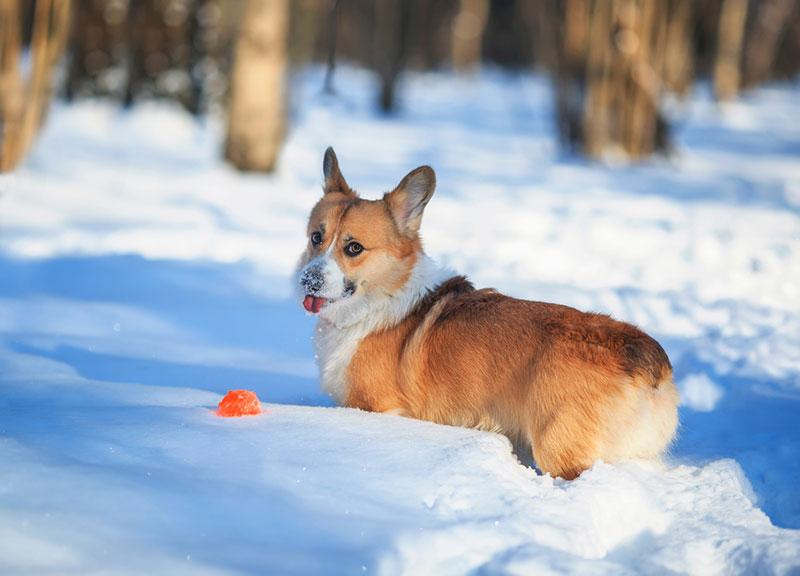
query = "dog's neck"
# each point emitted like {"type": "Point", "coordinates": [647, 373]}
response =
{"type": "Point", "coordinates": [383, 311]}
{"type": "Point", "coordinates": [338, 335]}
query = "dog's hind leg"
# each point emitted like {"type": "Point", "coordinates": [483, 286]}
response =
{"type": "Point", "coordinates": [565, 446]}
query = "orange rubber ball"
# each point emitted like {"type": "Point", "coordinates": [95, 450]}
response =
{"type": "Point", "coordinates": [239, 403]}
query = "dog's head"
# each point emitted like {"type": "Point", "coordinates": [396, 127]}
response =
{"type": "Point", "coordinates": [361, 251]}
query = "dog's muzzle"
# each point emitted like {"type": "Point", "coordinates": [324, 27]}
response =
{"type": "Point", "coordinates": [312, 280]}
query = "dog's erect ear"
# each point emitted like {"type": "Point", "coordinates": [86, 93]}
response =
{"type": "Point", "coordinates": [408, 200]}
{"type": "Point", "coordinates": [334, 181]}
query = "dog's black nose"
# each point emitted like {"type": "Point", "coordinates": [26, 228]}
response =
{"type": "Point", "coordinates": [312, 280]}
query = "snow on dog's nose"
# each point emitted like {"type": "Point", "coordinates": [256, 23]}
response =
{"type": "Point", "coordinates": [312, 279]}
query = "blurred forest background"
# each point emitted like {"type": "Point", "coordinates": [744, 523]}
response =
{"type": "Point", "coordinates": [613, 63]}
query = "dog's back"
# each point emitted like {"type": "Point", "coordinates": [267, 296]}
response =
{"type": "Point", "coordinates": [577, 387]}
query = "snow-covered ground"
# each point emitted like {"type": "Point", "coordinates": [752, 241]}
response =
{"type": "Point", "coordinates": [140, 278]}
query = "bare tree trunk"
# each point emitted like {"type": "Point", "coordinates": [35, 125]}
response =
{"type": "Point", "coordinates": [771, 22]}
{"type": "Point", "coordinates": [135, 25]}
{"type": "Point", "coordinates": [27, 107]}
{"type": "Point", "coordinates": [609, 63]}
{"type": "Point", "coordinates": [12, 96]}
{"type": "Point", "coordinates": [678, 51]}
{"type": "Point", "coordinates": [561, 35]}
{"type": "Point", "coordinates": [468, 28]}
{"type": "Point", "coordinates": [193, 98]}
{"type": "Point", "coordinates": [388, 48]}
{"type": "Point", "coordinates": [257, 106]}
{"type": "Point", "coordinates": [333, 30]}
{"type": "Point", "coordinates": [730, 37]}
{"type": "Point", "coordinates": [602, 83]}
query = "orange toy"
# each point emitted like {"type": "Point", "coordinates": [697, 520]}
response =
{"type": "Point", "coordinates": [239, 403]}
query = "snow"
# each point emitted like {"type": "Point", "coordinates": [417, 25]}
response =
{"type": "Point", "coordinates": [699, 392]}
{"type": "Point", "coordinates": [141, 278]}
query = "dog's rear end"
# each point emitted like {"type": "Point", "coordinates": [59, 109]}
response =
{"type": "Point", "coordinates": [621, 401]}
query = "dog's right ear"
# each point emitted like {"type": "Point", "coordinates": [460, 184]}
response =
{"type": "Point", "coordinates": [334, 181]}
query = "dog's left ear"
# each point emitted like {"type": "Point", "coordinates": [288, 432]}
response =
{"type": "Point", "coordinates": [408, 200]}
{"type": "Point", "coordinates": [334, 181]}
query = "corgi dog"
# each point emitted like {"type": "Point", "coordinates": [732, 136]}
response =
{"type": "Point", "coordinates": [398, 334]}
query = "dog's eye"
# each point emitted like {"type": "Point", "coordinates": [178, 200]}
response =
{"type": "Point", "coordinates": [353, 249]}
{"type": "Point", "coordinates": [316, 238]}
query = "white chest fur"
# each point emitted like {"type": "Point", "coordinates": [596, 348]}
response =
{"type": "Point", "coordinates": [335, 349]}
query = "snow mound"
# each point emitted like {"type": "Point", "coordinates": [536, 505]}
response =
{"type": "Point", "coordinates": [126, 478]}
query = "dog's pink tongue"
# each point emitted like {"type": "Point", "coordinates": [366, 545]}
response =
{"type": "Point", "coordinates": [313, 304]}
